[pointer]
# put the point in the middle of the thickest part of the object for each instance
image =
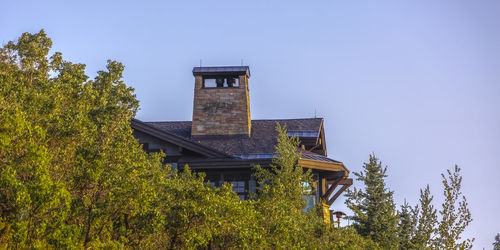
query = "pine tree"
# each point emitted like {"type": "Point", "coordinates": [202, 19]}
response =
{"type": "Point", "coordinates": [425, 219]}
{"type": "Point", "coordinates": [374, 209]}
{"type": "Point", "coordinates": [406, 226]}
{"type": "Point", "coordinates": [496, 244]}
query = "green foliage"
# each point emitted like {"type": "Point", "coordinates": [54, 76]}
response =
{"type": "Point", "coordinates": [455, 215]}
{"type": "Point", "coordinates": [280, 196]}
{"type": "Point", "coordinates": [280, 205]}
{"type": "Point", "coordinates": [374, 210]}
{"type": "Point", "coordinates": [420, 227]}
{"type": "Point", "coordinates": [73, 176]}
{"type": "Point", "coordinates": [496, 244]}
{"type": "Point", "coordinates": [71, 169]}
{"type": "Point", "coordinates": [406, 227]}
{"type": "Point", "coordinates": [192, 215]}
{"type": "Point", "coordinates": [425, 221]}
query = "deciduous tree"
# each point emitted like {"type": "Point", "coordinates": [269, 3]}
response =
{"type": "Point", "coordinates": [455, 214]}
{"type": "Point", "coordinates": [71, 169]}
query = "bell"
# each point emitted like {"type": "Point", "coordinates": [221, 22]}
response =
{"type": "Point", "coordinates": [230, 82]}
{"type": "Point", "coordinates": [220, 82]}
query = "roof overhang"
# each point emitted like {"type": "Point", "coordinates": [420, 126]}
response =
{"type": "Point", "coordinates": [235, 163]}
{"type": "Point", "coordinates": [224, 163]}
{"type": "Point", "coordinates": [174, 139]}
{"type": "Point", "coordinates": [221, 70]}
{"type": "Point", "coordinates": [323, 165]}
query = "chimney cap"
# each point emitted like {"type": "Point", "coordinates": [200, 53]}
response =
{"type": "Point", "coordinates": [221, 70]}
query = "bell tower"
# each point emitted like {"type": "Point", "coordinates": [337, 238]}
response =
{"type": "Point", "coordinates": [221, 101]}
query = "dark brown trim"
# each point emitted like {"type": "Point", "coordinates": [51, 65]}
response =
{"type": "Point", "coordinates": [322, 137]}
{"type": "Point", "coordinates": [347, 181]}
{"type": "Point", "coordinates": [223, 163]}
{"type": "Point", "coordinates": [174, 139]}
{"type": "Point", "coordinates": [322, 165]}
{"type": "Point", "coordinates": [330, 189]}
{"type": "Point", "coordinates": [332, 175]}
{"type": "Point", "coordinates": [341, 190]}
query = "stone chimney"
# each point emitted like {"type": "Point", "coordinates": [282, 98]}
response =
{"type": "Point", "coordinates": [221, 101]}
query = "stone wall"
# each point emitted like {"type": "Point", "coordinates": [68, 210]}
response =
{"type": "Point", "coordinates": [221, 111]}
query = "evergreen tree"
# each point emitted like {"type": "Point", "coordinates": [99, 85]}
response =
{"type": "Point", "coordinates": [455, 215]}
{"type": "Point", "coordinates": [280, 205]}
{"type": "Point", "coordinates": [406, 226]}
{"type": "Point", "coordinates": [374, 210]}
{"type": "Point", "coordinates": [280, 195]}
{"type": "Point", "coordinates": [425, 219]}
{"type": "Point", "coordinates": [496, 244]}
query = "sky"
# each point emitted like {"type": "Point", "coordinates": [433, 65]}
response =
{"type": "Point", "coordinates": [417, 83]}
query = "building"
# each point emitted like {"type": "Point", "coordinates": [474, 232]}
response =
{"type": "Point", "coordinates": [224, 142]}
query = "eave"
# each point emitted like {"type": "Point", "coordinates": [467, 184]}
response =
{"type": "Point", "coordinates": [323, 165]}
{"type": "Point", "coordinates": [179, 141]}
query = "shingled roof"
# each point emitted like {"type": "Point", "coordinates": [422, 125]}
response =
{"type": "Point", "coordinates": [261, 142]}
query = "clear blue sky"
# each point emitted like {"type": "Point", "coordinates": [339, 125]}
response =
{"type": "Point", "coordinates": [416, 82]}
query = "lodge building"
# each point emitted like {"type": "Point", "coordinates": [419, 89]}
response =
{"type": "Point", "coordinates": [224, 142]}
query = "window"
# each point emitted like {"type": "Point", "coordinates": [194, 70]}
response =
{"type": "Point", "coordinates": [238, 186]}
{"type": "Point", "coordinates": [221, 82]}
{"type": "Point", "coordinates": [174, 165]}
{"type": "Point", "coordinates": [310, 198]}
{"type": "Point", "coordinates": [312, 134]}
{"type": "Point", "coordinates": [211, 184]}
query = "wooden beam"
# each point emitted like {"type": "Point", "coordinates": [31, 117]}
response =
{"type": "Point", "coordinates": [323, 186]}
{"type": "Point", "coordinates": [332, 175]}
{"type": "Point", "coordinates": [331, 189]}
{"type": "Point", "coordinates": [322, 165]}
{"type": "Point", "coordinates": [330, 201]}
{"type": "Point", "coordinates": [347, 181]}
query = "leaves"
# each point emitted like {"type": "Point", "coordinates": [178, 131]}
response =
{"type": "Point", "coordinates": [73, 176]}
{"type": "Point", "coordinates": [69, 160]}
{"type": "Point", "coordinates": [455, 214]}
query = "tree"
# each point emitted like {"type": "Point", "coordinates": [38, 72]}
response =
{"type": "Point", "coordinates": [425, 220]}
{"type": "Point", "coordinates": [70, 164]}
{"type": "Point", "coordinates": [73, 176]}
{"type": "Point", "coordinates": [374, 210]}
{"type": "Point", "coordinates": [192, 214]}
{"type": "Point", "coordinates": [279, 200]}
{"type": "Point", "coordinates": [280, 205]}
{"type": "Point", "coordinates": [455, 215]}
{"type": "Point", "coordinates": [496, 244]}
{"type": "Point", "coordinates": [406, 226]}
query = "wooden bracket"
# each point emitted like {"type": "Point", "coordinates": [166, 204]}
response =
{"type": "Point", "coordinates": [336, 195]}
{"type": "Point", "coordinates": [330, 190]}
